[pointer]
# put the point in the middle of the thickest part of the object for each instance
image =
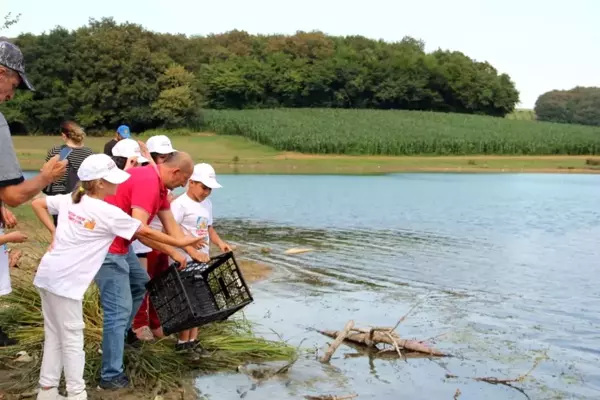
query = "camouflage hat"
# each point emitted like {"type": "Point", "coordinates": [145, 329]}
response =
{"type": "Point", "coordinates": [11, 57]}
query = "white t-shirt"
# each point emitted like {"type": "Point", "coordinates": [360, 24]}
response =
{"type": "Point", "coordinates": [194, 218]}
{"type": "Point", "coordinates": [5, 287]}
{"type": "Point", "coordinates": [83, 236]}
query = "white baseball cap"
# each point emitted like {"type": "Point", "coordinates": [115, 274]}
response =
{"type": "Point", "coordinates": [101, 166]}
{"type": "Point", "coordinates": [128, 148]}
{"type": "Point", "coordinates": [160, 144]}
{"type": "Point", "coordinates": [205, 174]}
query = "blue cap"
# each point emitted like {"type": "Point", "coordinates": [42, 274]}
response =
{"type": "Point", "coordinates": [124, 131]}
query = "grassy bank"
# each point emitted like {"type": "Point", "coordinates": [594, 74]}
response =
{"type": "Point", "coordinates": [235, 154]}
{"type": "Point", "coordinates": [153, 369]}
{"type": "Point", "coordinates": [395, 133]}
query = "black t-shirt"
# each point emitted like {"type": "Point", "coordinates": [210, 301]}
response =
{"type": "Point", "coordinates": [109, 146]}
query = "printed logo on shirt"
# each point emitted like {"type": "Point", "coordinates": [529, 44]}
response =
{"type": "Point", "coordinates": [89, 224]}
{"type": "Point", "coordinates": [82, 221]}
{"type": "Point", "coordinates": [201, 226]}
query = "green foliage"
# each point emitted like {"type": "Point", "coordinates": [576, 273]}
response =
{"type": "Point", "coordinates": [9, 21]}
{"type": "Point", "coordinates": [375, 132]}
{"type": "Point", "coordinates": [105, 74]}
{"type": "Point", "coordinates": [580, 105]}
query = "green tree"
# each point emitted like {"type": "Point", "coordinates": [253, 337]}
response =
{"type": "Point", "coordinates": [580, 105]}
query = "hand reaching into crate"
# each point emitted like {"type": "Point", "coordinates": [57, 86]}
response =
{"type": "Point", "coordinates": [199, 256]}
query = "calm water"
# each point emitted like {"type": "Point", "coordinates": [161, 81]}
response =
{"type": "Point", "coordinates": [504, 267]}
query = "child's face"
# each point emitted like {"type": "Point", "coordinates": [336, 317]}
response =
{"type": "Point", "coordinates": [199, 190]}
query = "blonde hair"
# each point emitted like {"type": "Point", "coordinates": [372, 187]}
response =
{"type": "Point", "coordinates": [72, 131]}
{"type": "Point", "coordinates": [84, 187]}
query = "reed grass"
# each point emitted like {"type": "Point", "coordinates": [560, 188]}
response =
{"type": "Point", "coordinates": [229, 344]}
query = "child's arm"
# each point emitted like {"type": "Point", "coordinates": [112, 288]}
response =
{"type": "Point", "coordinates": [160, 237]}
{"type": "Point", "coordinates": [40, 208]}
{"type": "Point", "coordinates": [10, 221]}
{"type": "Point", "coordinates": [172, 228]}
{"type": "Point", "coordinates": [13, 237]}
{"type": "Point", "coordinates": [216, 239]}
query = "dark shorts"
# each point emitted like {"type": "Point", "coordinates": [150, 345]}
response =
{"type": "Point", "coordinates": [142, 255]}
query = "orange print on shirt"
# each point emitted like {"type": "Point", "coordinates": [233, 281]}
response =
{"type": "Point", "coordinates": [89, 224]}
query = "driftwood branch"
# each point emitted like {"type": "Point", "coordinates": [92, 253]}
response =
{"type": "Point", "coordinates": [380, 337]}
{"type": "Point", "coordinates": [331, 397]}
{"type": "Point", "coordinates": [508, 382]}
{"type": "Point", "coordinates": [339, 338]}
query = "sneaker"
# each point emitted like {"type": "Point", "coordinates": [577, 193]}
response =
{"type": "Point", "coordinates": [196, 346]}
{"type": "Point", "coordinates": [80, 396]}
{"type": "Point", "coordinates": [5, 341]}
{"type": "Point", "coordinates": [179, 347]}
{"type": "Point", "coordinates": [50, 394]}
{"type": "Point", "coordinates": [120, 382]}
{"type": "Point", "coordinates": [132, 340]}
{"type": "Point", "coordinates": [144, 334]}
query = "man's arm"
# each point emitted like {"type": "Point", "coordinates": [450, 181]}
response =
{"type": "Point", "coordinates": [143, 216]}
{"type": "Point", "coordinates": [15, 195]}
{"type": "Point", "coordinates": [172, 228]}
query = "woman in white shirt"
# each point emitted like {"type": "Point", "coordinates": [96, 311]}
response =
{"type": "Point", "coordinates": [87, 226]}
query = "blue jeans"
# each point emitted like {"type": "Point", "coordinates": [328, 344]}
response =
{"type": "Point", "coordinates": [121, 281]}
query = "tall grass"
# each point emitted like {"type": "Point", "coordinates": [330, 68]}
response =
{"type": "Point", "coordinates": [335, 131]}
{"type": "Point", "coordinates": [229, 344]}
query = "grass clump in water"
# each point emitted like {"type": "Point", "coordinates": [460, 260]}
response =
{"type": "Point", "coordinates": [229, 344]}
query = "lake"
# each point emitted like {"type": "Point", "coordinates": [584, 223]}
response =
{"type": "Point", "coordinates": [503, 267]}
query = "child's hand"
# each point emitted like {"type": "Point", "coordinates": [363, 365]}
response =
{"type": "Point", "coordinates": [225, 248]}
{"type": "Point", "coordinates": [13, 258]}
{"type": "Point", "coordinates": [200, 257]}
{"type": "Point", "coordinates": [10, 221]}
{"type": "Point", "coordinates": [16, 237]}
{"type": "Point", "coordinates": [131, 162]}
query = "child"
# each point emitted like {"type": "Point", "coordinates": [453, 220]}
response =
{"type": "Point", "coordinates": [87, 226]}
{"type": "Point", "coordinates": [193, 211]}
{"type": "Point", "coordinates": [5, 264]}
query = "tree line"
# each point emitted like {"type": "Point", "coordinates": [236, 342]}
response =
{"type": "Point", "coordinates": [580, 105]}
{"type": "Point", "coordinates": [104, 74]}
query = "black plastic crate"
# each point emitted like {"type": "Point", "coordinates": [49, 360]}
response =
{"type": "Point", "coordinates": [199, 294]}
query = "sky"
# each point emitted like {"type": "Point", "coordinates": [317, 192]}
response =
{"type": "Point", "coordinates": [542, 44]}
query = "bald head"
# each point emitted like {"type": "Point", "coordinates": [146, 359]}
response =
{"type": "Point", "coordinates": [176, 170]}
{"type": "Point", "coordinates": [181, 160]}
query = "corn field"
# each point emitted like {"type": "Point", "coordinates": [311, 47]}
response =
{"type": "Point", "coordinates": [376, 132]}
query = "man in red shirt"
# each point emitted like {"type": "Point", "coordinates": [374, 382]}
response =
{"type": "Point", "coordinates": [121, 279]}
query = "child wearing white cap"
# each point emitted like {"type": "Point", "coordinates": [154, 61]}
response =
{"type": "Point", "coordinates": [127, 153]}
{"type": "Point", "coordinates": [88, 225]}
{"type": "Point", "coordinates": [193, 211]}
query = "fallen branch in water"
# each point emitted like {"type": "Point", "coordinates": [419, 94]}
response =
{"type": "Point", "coordinates": [508, 382]}
{"type": "Point", "coordinates": [388, 338]}
{"type": "Point", "coordinates": [331, 397]}
{"type": "Point", "coordinates": [339, 338]}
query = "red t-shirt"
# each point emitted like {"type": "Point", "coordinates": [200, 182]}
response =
{"type": "Point", "coordinates": [145, 190]}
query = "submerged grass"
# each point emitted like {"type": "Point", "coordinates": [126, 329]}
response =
{"type": "Point", "coordinates": [229, 344]}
